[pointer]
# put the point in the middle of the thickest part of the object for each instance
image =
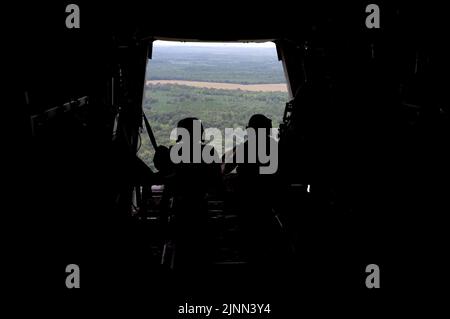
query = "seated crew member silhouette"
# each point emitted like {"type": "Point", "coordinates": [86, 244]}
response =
{"type": "Point", "coordinates": [255, 189]}
{"type": "Point", "coordinates": [194, 177]}
{"type": "Point", "coordinates": [244, 159]}
{"type": "Point", "coordinates": [191, 181]}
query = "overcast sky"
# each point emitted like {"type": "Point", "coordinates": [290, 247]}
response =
{"type": "Point", "coordinates": [213, 44]}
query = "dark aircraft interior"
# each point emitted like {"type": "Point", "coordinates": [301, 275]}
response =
{"type": "Point", "coordinates": [362, 177]}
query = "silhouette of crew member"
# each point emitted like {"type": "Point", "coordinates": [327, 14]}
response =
{"type": "Point", "coordinates": [183, 165]}
{"type": "Point", "coordinates": [256, 191]}
{"type": "Point", "coordinates": [244, 158]}
{"type": "Point", "coordinates": [194, 177]}
{"type": "Point", "coordinates": [191, 181]}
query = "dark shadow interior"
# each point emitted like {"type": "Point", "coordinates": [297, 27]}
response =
{"type": "Point", "coordinates": [363, 166]}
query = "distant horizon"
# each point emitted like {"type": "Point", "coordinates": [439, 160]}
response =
{"type": "Point", "coordinates": [162, 43]}
{"type": "Point", "coordinates": [242, 63]}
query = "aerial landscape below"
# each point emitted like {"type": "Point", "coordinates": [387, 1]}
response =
{"type": "Point", "coordinates": [222, 86]}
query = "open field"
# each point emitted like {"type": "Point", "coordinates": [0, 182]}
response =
{"type": "Point", "coordinates": [276, 87]}
{"type": "Point", "coordinates": [223, 65]}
